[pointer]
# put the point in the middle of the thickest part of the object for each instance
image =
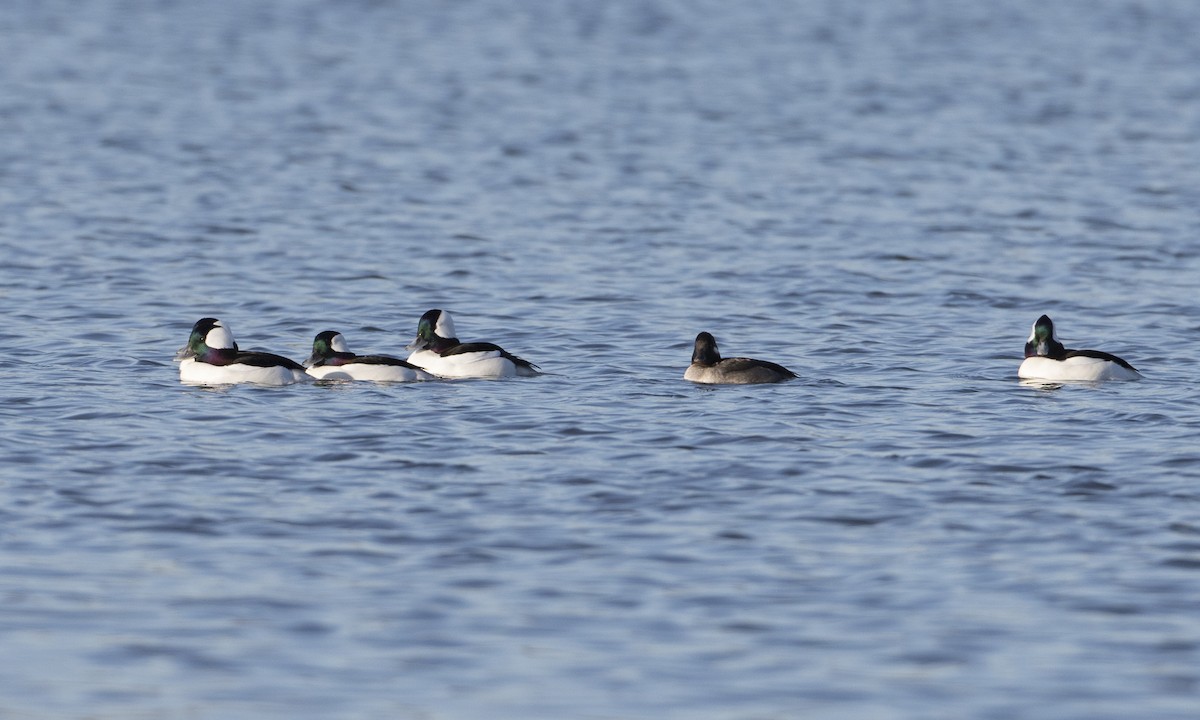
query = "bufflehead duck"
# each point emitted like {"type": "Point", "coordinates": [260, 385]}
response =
{"type": "Point", "coordinates": [708, 367]}
{"type": "Point", "coordinates": [1047, 359]}
{"type": "Point", "coordinates": [332, 360]}
{"type": "Point", "coordinates": [211, 357]}
{"type": "Point", "coordinates": [437, 350]}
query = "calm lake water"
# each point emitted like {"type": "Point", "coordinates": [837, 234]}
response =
{"type": "Point", "coordinates": [882, 196]}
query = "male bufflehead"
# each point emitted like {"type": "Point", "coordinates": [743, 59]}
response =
{"type": "Point", "coordinates": [211, 357]}
{"type": "Point", "coordinates": [708, 367]}
{"type": "Point", "coordinates": [332, 360]}
{"type": "Point", "coordinates": [1047, 359]}
{"type": "Point", "coordinates": [437, 350]}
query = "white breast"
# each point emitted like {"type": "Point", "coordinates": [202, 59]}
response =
{"type": "Point", "coordinates": [194, 372]}
{"type": "Point", "coordinates": [700, 374]}
{"type": "Point", "coordinates": [1079, 369]}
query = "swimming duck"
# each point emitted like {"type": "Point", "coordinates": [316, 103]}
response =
{"type": "Point", "coordinates": [437, 350]}
{"type": "Point", "coordinates": [331, 359]}
{"type": "Point", "coordinates": [1047, 359]}
{"type": "Point", "coordinates": [211, 357]}
{"type": "Point", "coordinates": [708, 367]}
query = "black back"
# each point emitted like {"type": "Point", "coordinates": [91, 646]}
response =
{"type": "Point", "coordinates": [463, 348]}
{"type": "Point", "coordinates": [1099, 354]}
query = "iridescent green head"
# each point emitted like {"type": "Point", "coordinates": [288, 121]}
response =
{"type": "Point", "coordinates": [1042, 340]}
{"type": "Point", "coordinates": [433, 326]}
{"type": "Point", "coordinates": [208, 337]}
{"type": "Point", "coordinates": [326, 344]}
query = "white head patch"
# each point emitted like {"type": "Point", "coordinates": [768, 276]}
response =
{"type": "Point", "coordinates": [445, 326]}
{"type": "Point", "coordinates": [338, 344]}
{"type": "Point", "coordinates": [219, 337]}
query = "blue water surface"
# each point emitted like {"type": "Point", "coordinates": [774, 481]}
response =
{"type": "Point", "coordinates": [882, 196]}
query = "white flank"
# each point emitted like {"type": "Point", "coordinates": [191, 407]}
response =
{"type": "Point", "coordinates": [488, 364]}
{"type": "Point", "coordinates": [194, 372]}
{"type": "Point", "coordinates": [371, 372]}
{"type": "Point", "coordinates": [1078, 369]}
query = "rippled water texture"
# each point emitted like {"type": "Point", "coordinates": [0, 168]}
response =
{"type": "Point", "coordinates": [882, 196]}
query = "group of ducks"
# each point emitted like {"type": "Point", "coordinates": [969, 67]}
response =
{"type": "Point", "coordinates": [211, 357]}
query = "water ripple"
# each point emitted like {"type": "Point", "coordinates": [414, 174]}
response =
{"type": "Point", "coordinates": [882, 197]}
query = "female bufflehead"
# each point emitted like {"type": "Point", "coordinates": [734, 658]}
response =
{"type": "Point", "coordinates": [211, 357]}
{"type": "Point", "coordinates": [332, 360]}
{"type": "Point", "coordinates": [708, 367]}
{"type": "Point", "coordinates": [437, 350]}
{"type": "Point", "coordinates": [1047, 359]}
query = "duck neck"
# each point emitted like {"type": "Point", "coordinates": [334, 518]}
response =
{"type": "Point", "coordinates": [218, 356]}
{"type": "Point", "coordinates": [440, 344]}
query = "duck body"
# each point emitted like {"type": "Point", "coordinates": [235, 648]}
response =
{"type": "Point", "coordinates": [211, 357]}
{"type": "Point", "coordinates": [1078, 367]}
{"type": "Point", "coordinates": [1048, 359]}
{"type": "Point", "coordinates": [437, 350]}
{"type": "Point", "coordinates": [710, 368]}
{"type": "Point", "coordinates": [243, 370]}
{"type": "Point", "coordinates": [332, 360]}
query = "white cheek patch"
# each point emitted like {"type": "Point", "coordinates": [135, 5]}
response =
{"type": "Point", "coordinates": [338, 344]}
{"type": "Point", "coordinates": [220, 338]}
